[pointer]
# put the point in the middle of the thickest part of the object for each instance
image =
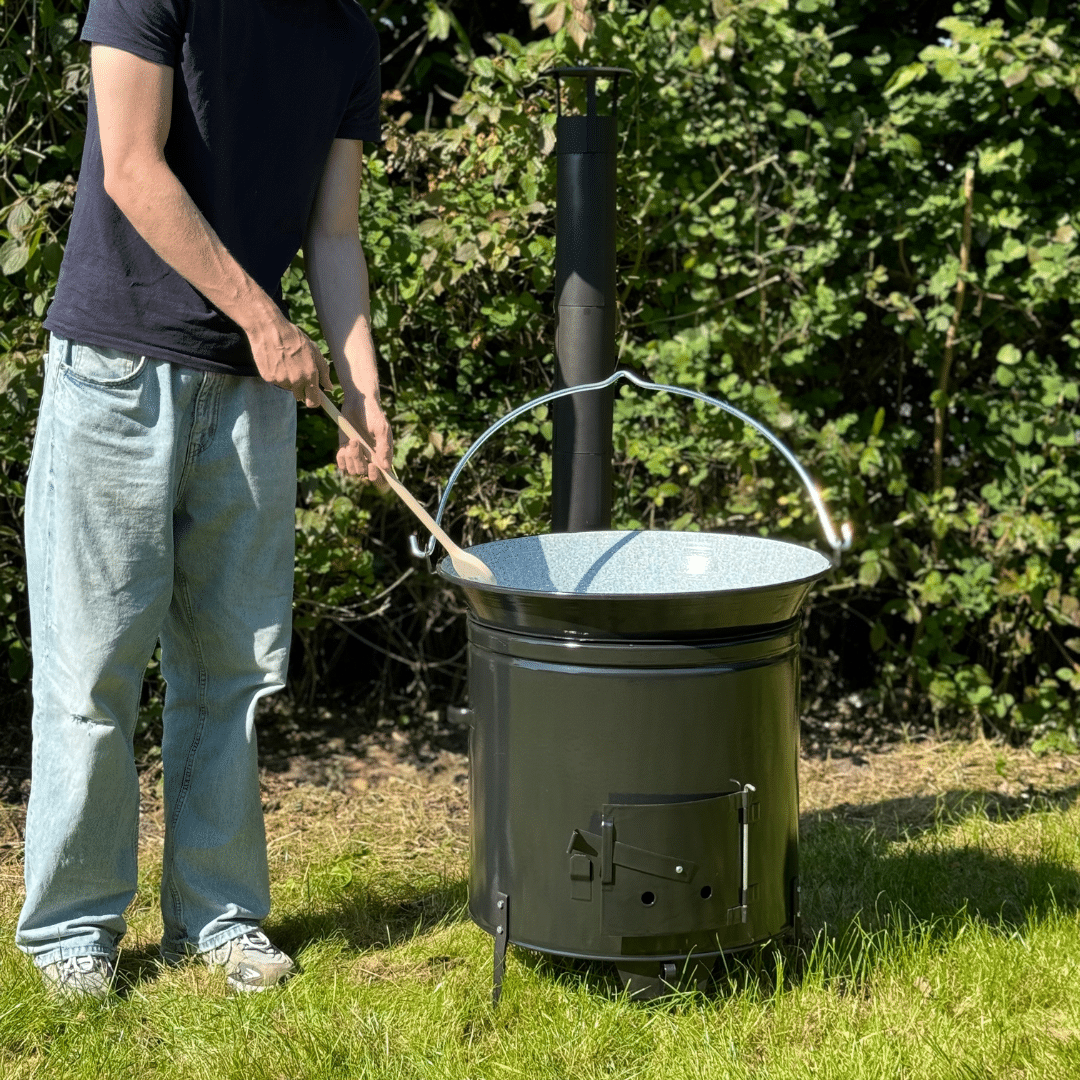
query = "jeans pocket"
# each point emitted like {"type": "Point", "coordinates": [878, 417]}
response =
{"type": "Point", "coordinates": [104, 367]}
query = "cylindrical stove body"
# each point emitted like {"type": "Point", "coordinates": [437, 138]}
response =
{"type": "Point", "coordinates": [634, 800]}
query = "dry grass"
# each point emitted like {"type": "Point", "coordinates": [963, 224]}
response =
{"type": "Point", "coordinates": [906, 785]}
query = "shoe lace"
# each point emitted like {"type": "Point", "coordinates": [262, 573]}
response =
{"type": "Point", "coordinates": [74, 966]}
{"type": "Point", "coordinates": [256, 941]}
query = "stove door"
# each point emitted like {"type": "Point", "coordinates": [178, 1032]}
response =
{"type": "Point", "coordinates": [672, 866]}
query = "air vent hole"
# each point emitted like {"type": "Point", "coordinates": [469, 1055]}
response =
{"type": "Point", "coordinates": [648, 899]}
{"type": "Point", "coordinates": [706, 892]}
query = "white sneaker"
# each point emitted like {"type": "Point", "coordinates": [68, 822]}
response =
{"type": "Point", "coordinates": [90, 976]}
{"type": "Point", "coordinates": [251, 962]}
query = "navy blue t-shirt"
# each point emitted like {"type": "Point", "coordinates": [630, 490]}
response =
{"type": "Point", "coordinates": [261, 89]}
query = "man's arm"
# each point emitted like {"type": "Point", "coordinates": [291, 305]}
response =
{"type": "Point", "coordinates": [338, 276]}
{"type": "Point", "coordinates": [134, 109]}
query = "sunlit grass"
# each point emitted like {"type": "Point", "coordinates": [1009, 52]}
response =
{"type": "Point", "coordinates": [946, 946]}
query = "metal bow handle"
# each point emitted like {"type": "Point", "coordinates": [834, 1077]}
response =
{"type": "Point", "coordinates": [839, 542]}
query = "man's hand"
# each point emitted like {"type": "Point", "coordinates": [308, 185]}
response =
{"type": "Point", "coordinates": [365, 413]}
{"type": "Point", "coordinates": [287, 357]}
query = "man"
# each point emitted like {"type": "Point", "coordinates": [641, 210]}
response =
{"type": "Point", "coordinates": [222, 136]}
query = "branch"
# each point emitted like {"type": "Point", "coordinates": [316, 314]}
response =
{"type": "Point", "coordinates": [950, 334]}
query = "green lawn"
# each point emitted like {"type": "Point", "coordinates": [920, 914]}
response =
{"type": "Point", "coordinates": [942, 940]}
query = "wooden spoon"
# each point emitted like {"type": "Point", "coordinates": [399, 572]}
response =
{"type": "Point", "coordinates": [466, 565]}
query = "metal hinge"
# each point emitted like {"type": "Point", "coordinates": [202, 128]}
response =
{"type": "Point", "coordinates": [748, 812]}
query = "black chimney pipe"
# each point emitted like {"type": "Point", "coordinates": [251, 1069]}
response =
{"type": "Point", "coordinates": [586, 307]}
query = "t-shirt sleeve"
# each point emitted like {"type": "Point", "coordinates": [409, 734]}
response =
{"type": "Point", "coordinates": [361, 119]}
{"type": "Point", "coordinates": [152, 29]}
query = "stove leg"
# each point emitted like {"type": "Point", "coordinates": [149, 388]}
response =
{"type": "Point", "coordinates": [796, 911]}
{"type": "Point", "coordinates": [502, 935]}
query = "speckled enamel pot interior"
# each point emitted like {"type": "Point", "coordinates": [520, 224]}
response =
{"type": "Point", "coordinates": [639, 584]}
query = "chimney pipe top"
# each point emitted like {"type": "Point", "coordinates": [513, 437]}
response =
{"type": "Point", "coordinates": [592, 74]}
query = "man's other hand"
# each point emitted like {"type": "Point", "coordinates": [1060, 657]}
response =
{"type": "Point", "coordinates": [365, 413]}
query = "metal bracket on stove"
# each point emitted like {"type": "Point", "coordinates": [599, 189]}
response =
{"type": "Point", "coordinates": [612, 853]}
{"type": "Point", "coordinates": [502, 936]}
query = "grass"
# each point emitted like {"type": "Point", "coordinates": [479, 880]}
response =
{"type": "Point", "coordinates": [942, 904]}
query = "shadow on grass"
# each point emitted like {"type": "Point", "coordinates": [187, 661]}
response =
{"type": "Point", "coordinates": [754, 970]}
{"type": "Point", "coordinates": [365, 920]}
{"type": "Point", "coordinates": [137, 966]}
{"type": "Point", "coordinates": [852, 863]}
{"type": "Point", "coordinates": [902, 873]}
{"type": "Point", "coordinates": [914, 815]}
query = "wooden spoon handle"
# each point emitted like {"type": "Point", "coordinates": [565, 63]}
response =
{"type": "Point", "coordinates": [466, 564]}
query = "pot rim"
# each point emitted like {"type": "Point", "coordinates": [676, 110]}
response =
{"type": "Point", "coordinates": [444, 568]}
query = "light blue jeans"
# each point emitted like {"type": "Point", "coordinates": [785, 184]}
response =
{"type": "Point", "coordinates": [159, 507]}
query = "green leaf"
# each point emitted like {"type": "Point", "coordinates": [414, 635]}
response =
{"type": "Point", "coordinates": [13, 256]}
{"type": "Point", "coordinates": [1004, 376]}
{"type": "Point", "coordinates": [63, 31]}
{"type": "Point", "coordinates": [1052, 49]}
{"type": "Point", "coordinates": [20, 217]}
{"type": "Point", "coordinates": [1012, 249]}
{"type": "Point", "coordinates": [1009, 354]}
{"type": "Point", "coordinates": [948, 68]}
{"type": "Point", "coordinates": [1023, 433]}
{"type": "Point", "coordinates": [659, 18]}
{"type": "Point", "coordinates": [967, 33]}
{"type": "Point", "coordinates": [840, 60]}
{"type": "Point", "coordinates": [466, 251]}
{"type": "Point", "coordinates": [910, 144]}
{"type": "Point", "coordinates": [1015, 74]}
{"type": "Point", "coordinates": [439, 23]}
{"type": "Point", "coordinates": [430, 227]}
{"type": "Point", "coordinates": [870, 570]}
{"type": "Point", "coordinates": [904, 76]}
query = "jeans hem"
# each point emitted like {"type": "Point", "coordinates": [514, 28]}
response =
{"type": "Point", "coordinates": [215, 941]}
{"type": "Point", "coordinates": [223, 936]}
{"type": "Point", "coordinates": [66, 952]}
